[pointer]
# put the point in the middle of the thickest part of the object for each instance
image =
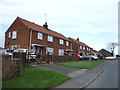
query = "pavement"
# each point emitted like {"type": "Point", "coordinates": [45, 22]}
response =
{"type": "Point", "coordinates": [80, 78]}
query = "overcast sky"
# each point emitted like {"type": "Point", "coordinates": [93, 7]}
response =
{"type": "Point", "coordinates": [95, 22]}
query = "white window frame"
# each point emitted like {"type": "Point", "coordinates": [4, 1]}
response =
{"type": "Point", "coordinates": [50, 50]}
{"type": "Point", "coordinates": [80, 46]}
{"type": "Point", "coordinates": [83, 48]}
{"type": "Point", "coordinates": [50, 38]}
{"type": "Point", "coordinates": [89, 49]}
{"type": "Point", "coordinates": [61, 41]}
{"type": "Point", "coordinates": [9, 35]}
{"type": "Point", "coordinates": [40, 36]}
{"type": "Point", "coordinates": [14, 34]}
{"type": "Point", "coordinates": [61, 52]}
{"type": "Point", "coordinates": [67, 43]}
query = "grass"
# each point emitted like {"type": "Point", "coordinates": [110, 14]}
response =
{"type": "Point", "coordinates": [82, 64]}
{"type": "Point", "coordinates": [34, 77]}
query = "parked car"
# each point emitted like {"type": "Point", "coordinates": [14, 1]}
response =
{"type": "Point", "coordinates": [110, 57]}
{"type": "Point", "coordinates": [79, 56]}
{"type": "Point", "coordinates": [94, 57]}
{"type": "Point", "coordinates": [30, 53]}
{"type": "Point", "coordinates": [6, 52]}
{"type": "Point", "coordinates": [90, 57]}
{"type": "Point", "coordinates": [86, 57]}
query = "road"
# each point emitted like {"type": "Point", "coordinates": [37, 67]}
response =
{"type": "Point", "coordinates": [108, 78]}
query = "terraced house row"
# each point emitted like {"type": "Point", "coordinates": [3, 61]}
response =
{"type": "Point", "coordinates": [23, 34]}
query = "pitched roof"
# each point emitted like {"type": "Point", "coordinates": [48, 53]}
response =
{"type": "Point", "coordinates": [41, 29]}
{"type": "Point", "coordinates": [105, 53]}
{"type": "Point", "coordinates": [78, 42]}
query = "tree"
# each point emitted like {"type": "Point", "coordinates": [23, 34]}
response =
{"type": "Point", "coordinates": [111, 47]}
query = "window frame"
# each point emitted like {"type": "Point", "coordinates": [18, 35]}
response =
{"type": "Point", "coordinates": [9, 35]}
{"type": "Point", "coordinates": [14, 34]}
{"type": "Point", "coordinates": [67, 43]}
{"type": "Point", "coordinates": [50, 50]}
{"type": "Point", "coordinates": [50, 38]}
{"type": "Point", "coordinates": [81, 47]}
{"type": "Point", "coordinates": [61, 52]}
{"type": "Point", "coordinates": [61, 41]}
{"type": "Point", "coordinates": [40, 35]}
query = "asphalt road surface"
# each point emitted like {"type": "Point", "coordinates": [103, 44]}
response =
{"type": "Point", "coordinates": [108, 78]}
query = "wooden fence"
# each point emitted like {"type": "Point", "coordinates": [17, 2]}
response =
{"type": "Point", "coordinates": [65, 58]}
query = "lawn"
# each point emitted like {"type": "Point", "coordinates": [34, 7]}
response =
{"type": "Point", "coordinates": [82, 64]}
{"type": "Point", "coordinates": [34, 77]}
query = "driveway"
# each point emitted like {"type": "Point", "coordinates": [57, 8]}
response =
{"type": "Point", "coordinates": [71, 72]}
{"type": "Point", "coordinates": [79, 77]}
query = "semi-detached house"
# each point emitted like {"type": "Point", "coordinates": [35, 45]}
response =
{"type": "Point", "coordinates": [81, 48]}
{"type": "Point", "coordinates": [23, 34]}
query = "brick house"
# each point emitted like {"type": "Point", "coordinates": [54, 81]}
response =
{"type": "Point", "coordinates": [80, 48]}
{"type": "Point", "coordinates": [23, 34]}
{"type": "Point", "coordinates": [105, 53]}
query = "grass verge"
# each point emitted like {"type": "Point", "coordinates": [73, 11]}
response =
{"type": "Point", "coordinates": [34, 77]}
{"type": "Point", "coordinates": [82, 64]}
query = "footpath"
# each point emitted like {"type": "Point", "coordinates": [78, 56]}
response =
{"type": "Point", "coordinates": [80, 78]}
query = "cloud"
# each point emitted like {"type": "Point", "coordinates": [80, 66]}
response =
{"type": "Point", "coordinates": [65, 16]}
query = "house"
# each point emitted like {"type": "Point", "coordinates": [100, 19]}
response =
{"type": "Point", "coordinates": [95, 53]}
{"type": "Point", "coordinates": [80, 48]}
{"type": "Point", "coordinates": [23, 34]}
{"type": "Point", "coordinates": [105, 53]}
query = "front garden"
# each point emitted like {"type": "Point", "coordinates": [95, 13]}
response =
{"type": "Point", "coordinates": [82, 64]}
{"type": "Point", "coordinates": [34, 77]}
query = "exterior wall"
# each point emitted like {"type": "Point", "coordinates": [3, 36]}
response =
{"type": "Point", "coordinates": [55, 44]}
{"type": "Point", "coordinates": [22, 40]}
{"type": "Point", "coordinates": [77, 50]}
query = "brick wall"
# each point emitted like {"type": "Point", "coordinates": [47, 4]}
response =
{"type": "Point", "coordinates": [55, 44]}
{"type": "Point", "coordinates": [23, 38]}
{"type": "Point", "coordinates": [22, 35]}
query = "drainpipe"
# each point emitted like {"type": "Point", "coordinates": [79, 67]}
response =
{"type": "Point", "coordinates": [30, 38]}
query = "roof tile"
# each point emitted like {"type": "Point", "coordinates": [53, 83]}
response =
{"type": "Point", "coordinates": [41, 29]}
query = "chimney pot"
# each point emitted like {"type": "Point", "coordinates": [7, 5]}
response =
{"type": "Point", "coordinates": [45, 25]}
{"type": "Point", "coordinates": [77, 39]}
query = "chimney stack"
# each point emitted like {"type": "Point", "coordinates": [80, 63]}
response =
{"type": "Point", "coordinates": [45, 25]}
{"type": "Point", "coordinates": [77, 39]}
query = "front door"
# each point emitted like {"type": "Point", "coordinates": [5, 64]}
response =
{"type": "Point", "coordinates": [39, 50]}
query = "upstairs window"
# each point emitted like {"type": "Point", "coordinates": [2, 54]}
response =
{"type": "Point", "coordinates": [67, 43]}
{"type": "Point", "coordinates": [61, 41]}
{"type": "Point", "coordinates": [14, 34]}
{"type": "Point", "coordinates": [40, 36]}
{"type": "Point", "coordinates": [83, 48]}
{"type": "Point", "coordinates": [89, 49]}
{"type": "Point", "coordinates": [50, 38]}
{"type": "Point", "coordinates": [80, 47]}
{"type": "Point", "coordinates": [9, 35]}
